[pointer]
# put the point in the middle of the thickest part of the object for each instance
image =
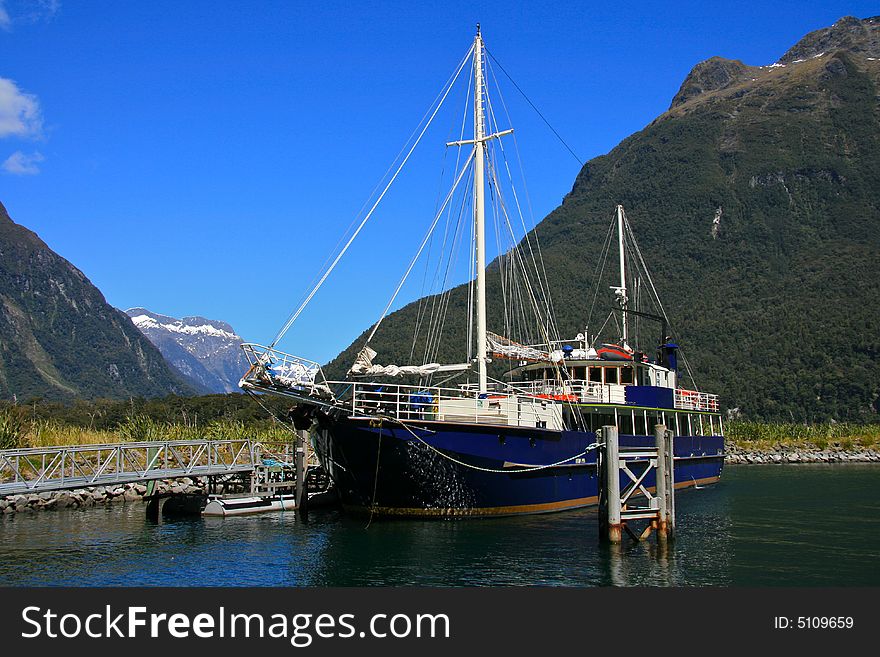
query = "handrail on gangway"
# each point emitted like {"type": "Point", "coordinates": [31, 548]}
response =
{"type": "Point", "coordinates": [38, 469]}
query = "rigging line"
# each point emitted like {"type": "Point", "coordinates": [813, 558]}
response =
{"type": "Point", "coordinates": [437, 298]}
{"type": "Point", "coordinates": [423, 302]}
{"type": "Point", "coordinates": [599, 271]}
{"type": "Point", "coordinates": [543, 118]}
{"type": "Point", "coordinates": [657, 296]}
{"type": "Point", "coordinates": [526, 232]}
{"type": "Point", "coordinates": [441, 300]}
{"type": "Point", "coordinates": [270, 412]}
{"type": "Point", "coordinates": [434, 300]}
{"type": "Point", "coordinates": [586, 451]}
{"type": "Point", "coordinates": [375, 479]}
{"type": "Point", "coordinates": [387, 171]}
{"type": "Point", "coordinates": [440, 305]}
{"type": "Point", "coordinates": [327, 273]}
{"type": "Point", "coordinates": [419, 253]}
{"type": "Point", "coordinates": [536, 306]}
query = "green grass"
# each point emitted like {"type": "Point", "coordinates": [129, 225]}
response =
{"type": "Point", "coordinates": [17, 430]}
{"type": "Point", "coordinates": [771, 436]}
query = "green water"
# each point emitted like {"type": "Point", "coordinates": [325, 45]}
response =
{"type": "Point", "coordinates": [810, 525]}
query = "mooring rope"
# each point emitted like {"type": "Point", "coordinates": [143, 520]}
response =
{"type": "Point", "coordinates": [588, 449]}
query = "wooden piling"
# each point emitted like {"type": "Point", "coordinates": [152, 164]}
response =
{"type": "Point", "coordinates": [665, 488]}
{"type": "Point", "coordinates": [302, 467]}
{"type": "Point", "coordinates": [609, 483]}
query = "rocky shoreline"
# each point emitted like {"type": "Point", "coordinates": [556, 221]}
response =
{"type": "Point", "coordinates": [97, 496]}
{"type": "Point", "coordinates": [739, 456]}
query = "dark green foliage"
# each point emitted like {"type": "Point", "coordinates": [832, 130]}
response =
{"type": "Point", "coordinates": [779, 313]}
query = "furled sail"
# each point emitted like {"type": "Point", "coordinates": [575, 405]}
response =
{"type": "Point", "coordinates": [501, 347]}
{"type": "Point", "coordinates": [363, 366]}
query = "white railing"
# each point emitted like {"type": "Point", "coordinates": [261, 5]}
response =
{"type": "Point", "coordinates": [691, 400]}
{"type": "Point", "coordinates": [273, 369]}
{"type": "Point", "coordinates": [575, 390]}
{"type": "Point", "coordinates": [36, 469]}
{"type": "Point", "coordinates": [407, 402]}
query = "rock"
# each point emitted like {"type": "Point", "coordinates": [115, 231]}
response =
{"type": "Point", "coordinates": [97, 496]}
{"type": "Point", "coordinates": [64, 500]}
{"type": "Point", "coordinates": [9, 510]}
{"type": "Point", "coordinates": [140, 489]}
{"type": "Point", "coordinates": [131, 495]}
{"type": "Point", "coordinates": [117, 491]}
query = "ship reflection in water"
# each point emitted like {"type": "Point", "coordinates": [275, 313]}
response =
{"type": "Point", "coordinates": [762, 525]}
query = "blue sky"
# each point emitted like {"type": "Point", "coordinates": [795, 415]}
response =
{"type": "Point", "coordinates": [204, 158]}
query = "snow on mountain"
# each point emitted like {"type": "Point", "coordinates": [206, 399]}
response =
{"type": "Point", "coordinates": [207, 352]}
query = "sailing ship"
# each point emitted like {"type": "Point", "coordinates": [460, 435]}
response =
{"type": "Point", "coordinates": [522, 443]}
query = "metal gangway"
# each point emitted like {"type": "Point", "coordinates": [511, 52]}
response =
{"type": "Point", "coordinates": [38, 469]}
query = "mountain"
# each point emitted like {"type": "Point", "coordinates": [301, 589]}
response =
{"type": "Point", "coordinates": [59, 338]}
{"type": "Point", "coordinates": [755, 202]}
{"type": "Point", "coordinates": [204, 351]}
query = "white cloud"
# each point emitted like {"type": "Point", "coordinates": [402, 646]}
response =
{"type": "Point", "coordinates": [20, 164]}
{"type": "Point", "coordinates": [5, 21]}
{"type": "Point", "coordinates": [19, 112]}
{"type": "Point", "coordinates": [28, 12]}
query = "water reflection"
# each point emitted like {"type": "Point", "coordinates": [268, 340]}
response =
{"type": "Point", "coordinates": [761, 526]}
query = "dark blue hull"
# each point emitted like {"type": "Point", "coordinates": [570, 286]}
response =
{"type": "Point", "coordinates": [449, 469]}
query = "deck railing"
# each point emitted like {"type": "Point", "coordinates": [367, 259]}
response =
{"type": "Point", "coordinates": [692, 400]}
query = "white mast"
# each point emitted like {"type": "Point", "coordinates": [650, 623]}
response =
{"type": "Point", "coordinates": [621, 291]}
{"type": "Point", "coordinates": [479, 208]}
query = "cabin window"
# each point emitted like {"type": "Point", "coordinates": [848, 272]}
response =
{"type": "Point", "coordinates": [600, 420]}
{"type": "Point", "coordinates": [677, 424]}
{"type": "Point", "coordinates": [626, 375]}
{"type": "Point", "coordinates": [610, 375]}
{"type": "Point", "coordinates": [579, 373]}
{"type": "Point", "coordinates": [701, 426]}
{"type": "Point", "coordinates": [625, 423]}
{"type": "Point", "coordinates": [690, 426]}
{"type": "Point", "coordinates": [653, 420]}
{"type": "Point", "coordinates": [596, 374]}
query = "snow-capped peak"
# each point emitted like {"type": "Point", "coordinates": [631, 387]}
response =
{"type": "Point", "coordinates": [145, 322]}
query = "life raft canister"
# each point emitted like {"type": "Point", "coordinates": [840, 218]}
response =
{"type": "Point", "coordinates": [613, 352]}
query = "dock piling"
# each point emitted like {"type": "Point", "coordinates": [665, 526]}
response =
{"type": "Point", "coordinates": [302, 465]}
{"type": "Point", "coordinates": [609, 487]}
{"type": "Point", "coordinates": [665, 489]}
{"type": "Point", "coordinates": [633, 465]}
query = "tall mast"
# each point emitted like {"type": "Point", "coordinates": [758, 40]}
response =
{"type": "Point", "coordinates": [479, 208]}
{"type": "Point", "coordinates": [621, 291]}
